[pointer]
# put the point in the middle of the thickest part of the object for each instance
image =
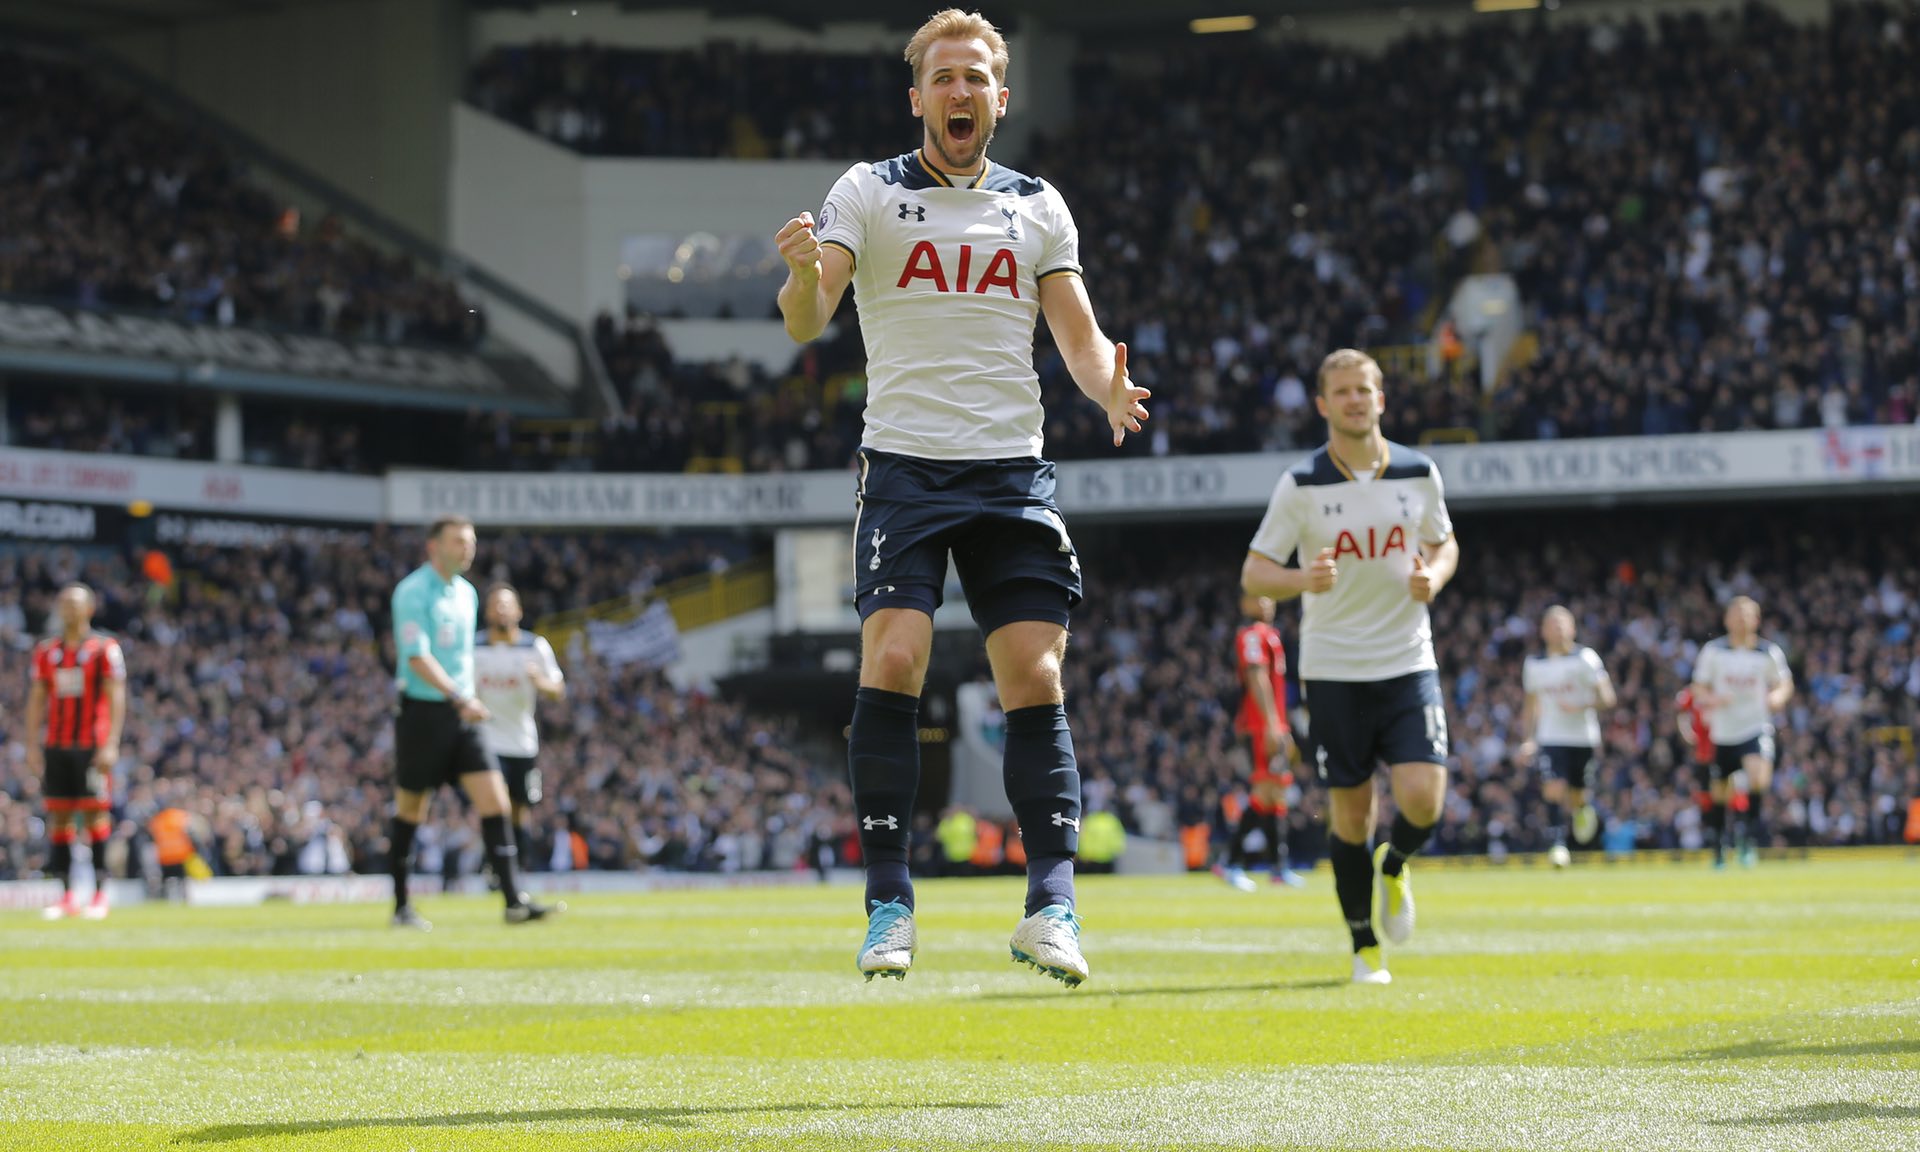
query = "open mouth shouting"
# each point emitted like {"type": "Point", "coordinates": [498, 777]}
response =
{"type": "Point", "coordinates": [960, 126]}
{"type": "Point", "coordinates": [962, 137]}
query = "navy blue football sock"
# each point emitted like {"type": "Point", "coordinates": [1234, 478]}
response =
{"type": "Point", "coordinates": [1049, 881]}
{"type": "Point", "coordinates": [883, 760]}
{"type": "Point", "coordinates": [1404, 840]}
{"type": "Point", "coordinates": [1043, 785]}
{"type": "Point", "coordinates": [1353, 884]}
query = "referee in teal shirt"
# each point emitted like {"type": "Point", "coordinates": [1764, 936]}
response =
{"type": "Point", "coordinates": [437, 739]}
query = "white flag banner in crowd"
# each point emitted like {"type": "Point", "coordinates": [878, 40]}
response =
{"type": "Point", "coordinates": [651, 638]}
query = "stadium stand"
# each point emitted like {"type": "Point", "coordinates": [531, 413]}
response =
{"type": "Point", "coordinates": [262, 690]}
{"type": "Point", "coordinates": [725, 99]}
{"type": "Point", "coordinates": [647, 775]}
{"type": "Point", "coordinates": [1155, 653]}
{"type": "Point", "coordinates": [1750, 271]}
{"type": "Point", "coordinates": [107, 204]}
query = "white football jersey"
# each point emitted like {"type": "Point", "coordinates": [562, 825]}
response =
{"type": "Point", "coordinates": [1369, 627]}
{"type": "Point", "coordinates": [1564, 688]}
{"type": "Point", "coordinates": [1739, 679]}
{"type": "Point", "coordinates": [947, 280]}
{"type": "Point", "coordinates": [502, 684]}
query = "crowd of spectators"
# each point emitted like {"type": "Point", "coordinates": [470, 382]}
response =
{"type": "Point", "coordinates": [1153, 688]}
{"type": "Point", "coordinates": [261, 689]}
{"type": "Point", "coordinates": [675, 411]}
{"type": "Point", "coordinates": [107, 204]}
{"type": "Point", "coordinates": [178, 424]}
{"type": "Point", "coordinates": [261, 696]}
{"type": "Point", "coordinates": [723, 99]}
{"type": "Point", "coordinates": [1711, 220]}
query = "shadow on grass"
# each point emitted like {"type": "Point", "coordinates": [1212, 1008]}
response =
{"type": "Point", "coordinates": [1177, 990]}
{"type": "Point", "coordinates": [653, 1117]}
{"type": "Point", "coordinates": [1769, 1049]}
{"type": "Point", "coordinates": [1824, 1114]}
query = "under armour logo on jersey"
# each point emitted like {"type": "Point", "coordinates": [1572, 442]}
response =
{"type": "Point", "coordinates": [873, 565]}
{"type": "Point", "coordinates": [890, 823]}
{"type": "Point", "coordinates": [1330, 510]}
{"type": "Point", "coordinates": [919, 212]}
{"type": "Point", "coordinates": [1406, 512]}
{"type": "Point", "coordinates": [1013, 228]}
{"type": "Point", "coordinates": [1062, 820]}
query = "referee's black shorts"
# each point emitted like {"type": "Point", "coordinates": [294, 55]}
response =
{"type": "Point", "coordinates": [433, 746]}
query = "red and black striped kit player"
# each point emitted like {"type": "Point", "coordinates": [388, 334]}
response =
{"type": "Point", "coordinates": [75, 712]}
{"type": "Point", "coordinates": [1261, 660]}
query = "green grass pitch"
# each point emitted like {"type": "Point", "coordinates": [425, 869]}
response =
{"type": "Point", "coordinates": [1646, 1007]}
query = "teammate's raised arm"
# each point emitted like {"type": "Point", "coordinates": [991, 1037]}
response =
{"type": "Point", "coordinates": [817, 277]}
{"type": "Point", "coordinates": [1098, 365]}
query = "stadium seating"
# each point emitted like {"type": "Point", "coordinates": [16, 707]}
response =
{"type": "Point", "coordinates": [1755, 270]}
{"type": "Point", "coordinates": [262, 680]}
{"type": "Point", "coordinates": [1155, 691]}
{"type": "Point", "coordinates": [646, 774]}
{"type": "Point", "coordinates": [107, 204]}
{"type": "Point", "coordinates": [723, 100]}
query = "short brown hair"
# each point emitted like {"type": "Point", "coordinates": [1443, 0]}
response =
{"type": "Point", "coordinates": [1345, 358]}
{"type": "Point", "coordinates": [446, 522]}
{"type": "Point", "coordinates": [953, 24]}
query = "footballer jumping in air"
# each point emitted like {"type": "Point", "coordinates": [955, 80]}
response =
{"type": "Point", "coordinates": [952, 258]}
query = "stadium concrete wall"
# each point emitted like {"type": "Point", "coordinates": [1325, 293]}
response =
{"type": "Point", "coordinates": [357, 90]}
{"type": "Point", "coordinates": [554, 223]}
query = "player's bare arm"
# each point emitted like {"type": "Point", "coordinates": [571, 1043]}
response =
{"type": "Point", "coordinates": [1779, 695]}
{"type": "Point", "coordinates": [1265, 576]}
{"type": "Point", "coordinates": [109, 752]}
{"type": "Point", "coordinates": [817, 276]}
{"type": "Point", "coordinates": [1433, 567]}
{"type": "Point", "coordinates": [429, 669]}
{"type": "Point", "coordinates": [1529, 719]}
{"type": "Point", "coordinates": [36, 721]}
{"type": "Point", "coordinates": [1098, 365]}
{"type": "Point", "coordinates": [1604, 696]}
{"type": "Point", "coordinates": [550, 688]}
{"type": "Point", "coordinates": [1261, 689]}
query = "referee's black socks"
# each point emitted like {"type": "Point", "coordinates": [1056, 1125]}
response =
{"type": "Point", "coordinates": [400, 858]}
{"type": "Point", "coordinates": [504, 854]}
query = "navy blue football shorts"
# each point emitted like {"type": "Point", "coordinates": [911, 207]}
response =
{"type": "Point", "coordinates": [997, 520]}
